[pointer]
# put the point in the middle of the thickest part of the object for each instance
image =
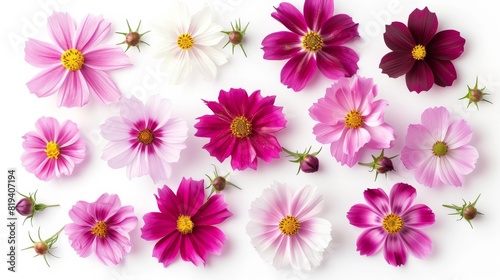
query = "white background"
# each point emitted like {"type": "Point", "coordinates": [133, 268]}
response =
{"type": "Point", "coordinates": [459, 252]}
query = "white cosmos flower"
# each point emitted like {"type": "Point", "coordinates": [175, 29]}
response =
{"type": "Point", "coordinates": [284, 228]}
{"type": "Point", "coordinates": [189, 42]}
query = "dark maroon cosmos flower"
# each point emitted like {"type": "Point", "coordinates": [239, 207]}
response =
{"type": "Point", "coordinates": [420, 53]}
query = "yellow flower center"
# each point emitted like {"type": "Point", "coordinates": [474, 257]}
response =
{"type": "Point", "coordinates": [440, 149]}
{"type": "Point", "coordinates": [353, 119]}
{"type": "Point", "coordinates": [185, 41]}
{"type": "Point", "coordinates": [52, 150]}
{"type": "Point", "coordinates": [184, 224]}
{"type": "Point", "coordinates": [72, 59]}
{"type": "Point", "coordinates": [312, 42]}
{"type": "Point", "coordinates": [418, 52]}
{"type": "Point", "coordinates": [100, 229]}
{"type": "Point", "coordinates": [392, 223]}
{"type": "Point", "coordinates": [145, 136]}
{"type": "Point", "coordinates": [241, 127]}
{"type": "Point", "coordinates": [289, 225]}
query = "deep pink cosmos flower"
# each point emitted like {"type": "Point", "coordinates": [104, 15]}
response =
{"type": "Point", "coordinates": [420, 53]}
{"type": "Point", "coordinates": [350, 119]}
{"type": "Point", "coordinates": [185, 224]}
{"type": "Point", "coordinates": [438, 149]}
{"type": "Point", "coordinates": [242, 127]}
{"type": "Point", "coordinates": [315, 40]}
{"type": "Point", "coordinates": [101, 227]}
{"type": "Point", "coordinates": [392, 223]}
{"type": "Point", "coordinates": [144, 138]}
{"type": "Point", "coordinates": [75, 65]}
{"type": "Point", "coordinates": [53, 149]}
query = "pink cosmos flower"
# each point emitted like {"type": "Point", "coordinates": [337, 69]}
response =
{"type": "Point", "coordinates": [75, 66]}
{"type": "Point", "coordinates": [101, 227]}
{"type": "Point", "coordinates": [315, 39]}
{"type": "Point", "coordinates": [284, 227]}
{"type": "Point", "coordinates": [54, 149]}
{"type": "Point", "coordinates": [437, 149]}
{"type": "Point", "coordinates": [185, 224]}
{"type": "Point", "coordinates": [420, 53]}
{"type": "Point", "coordinates": [392, 223]}
{"type": "Point", "coordinates": [242, 127]}
{"type": "Point", "coordinates": [350, 119]}
{"type": "Point", "coordinates": [144, 138]}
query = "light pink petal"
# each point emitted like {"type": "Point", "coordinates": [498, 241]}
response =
{"type": "Point", "coordinates": [463, 159]}
{"type": "Point", "coordinates": [382, 137]}
{"type": "Point", "coordinates": [158, 168]}
{"type": "Point", "coordinates": [46, 170]}
{"type": "Point", "coordinates": [394, 250]}
{"type": "Point", "coordinates": [306, 203]}
{"type": "Point", "coordinates": [354, 140]}
{"type": "Point", "coordinates": [437, 121]}
{"type": "Point", "coordinates": [401, 198]}
{"type": "Point", "coordinates": [61, 30]}
{"type": "Point", "coordinates": [316, 233]}
{"type": "Point", "coordinates": [373, 112]}
{"type": "Point", "coordinates": [167, 248]}
{"type": "Point", "coordinates": [362, 216]}
{"type": "Point", "coordinates": [81, 239]}
{"type": "Point", "coordinates": [160, 110]}
{"type": "Point", "coordinates": [114, 129]}
{"type": "Point", "coordinates": [92, 31]}
{"type": "Point", "coordinates": [124, 220]}
{"type": "Point", "coordinates": [213, 212]}
{"type": "Point", "coordinates": [191, 195]}
{"type": "Point", "coordinates": [414, 158]}
{"type": "Point", "coordinates": [378, 200]}
{"type": "Point", "coordinates": [48, 128]}
{"type": "Point", "coordinates": [417, 242]}
{"type": "Point", "coordinates": [80, 216]}
{"type": "Point", "coordinates": [139, 165]}
{"type": "Point", "coordinates": [448, 174]}
{"type": "Point", "coordinates": [459, 134]}
{"type": "Point", "coordinates": [329, 133]}
{"type": "Point", "coordinates": [428, 172]}
{"type": "Point", "coordinates": [108, 252]}
{"type": "Point", "coordinates": [41, 54]}
{"type": "Point", "coordinates": [371, 240]}
{"type": "Point", "coordinates": [68, 134]}
{"type": "Point", "coordinates": [419, 137]}
{"type": "Point", "coordinates": [107, 59]}
{"type": "Point", "coordinates": [74, 90]}
{"type": "Point", "coordinates": [101, 84]}
{"type": "Point", "coordinates": [47, 81]}
{"type": "Point", "coordinates": [337, 151]}
{"type": "Point", "coordinates": [418, 215]}
{"type": "Point", "coordinates": [325, 111]}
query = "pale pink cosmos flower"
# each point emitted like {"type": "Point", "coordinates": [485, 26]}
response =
{"type": "Point", "coordinates": [76, 65]}
{"type": "Point", "coordinates": [284, 227]}
{"type": "Point", "coordinates": [144, 138]}
{"type": "Point", "coordinates": [438, 149]}
{"type": "Point", "coordinates": [101, 227]}
{"type": "Point", "coordinates": [350, 119]}
{"type": "Point", "coordinates": [53, 149]}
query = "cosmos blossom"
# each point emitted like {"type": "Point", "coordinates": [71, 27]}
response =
{"type": "Point", "coordinates": [76, 65]}
{"type": "Point", "coordinates": [420, 53]}
{"type": "Point", "coordinates": [350, 119]}
{"type": "Point", "coordinates": [315, 40]}
{"type": "Point", "coordinates": [284, 227]}
{"type": "Point", "coordinates": [242, 127]}
{"type": "Point", "coordinates": [437, 149]}
{"type": "Point", "coordinates": [392, 223]}
{"type": "Point", "coordinates": [53, 149]}
{"type": "Point", "coordinates": [186, 223]}
{"type": "Point", "coordinates": [144, 138]}
{"type": "Point", "coordinates": [101, 227]}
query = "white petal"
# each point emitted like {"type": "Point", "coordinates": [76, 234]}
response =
{"type": "Point", "coordinates": [217, 56]}
{"type": "Point", "coordinates": [306, 203]}
{"type": "Point", "coordinates": [204, 64]}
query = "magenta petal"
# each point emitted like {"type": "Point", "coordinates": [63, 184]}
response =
{"type": "Point", "coordinates": [281, 45]}
{"type": "Point", "coordinates": [418, 215]}
{"type": "Point", "coordinates": [101, 84]}
{"type": "Point", "coordinates": [191, 195]}
{"type": "Point", "coordinates": [397, 37]}
{"type": "Point", "coordinates": [74, 90]}
{"type": "Point", "coordinates": [243, 155]}
{"type": "Point", "coordinates": [80, 238]}
{"type": "Point", "coordinates": [167, 248]}
{"type": "Point", "coordinates": [396, 64]}
{"type": "Point", "coordinates": [339, 30]}
{"type": "Point", "coordinates": [47, 82]}
{"type": "Point", "coordinates": [394, 250]}
{"type": "Point", "coordinates": [371, 240]}
{"type": "Point", "coordinates": [378, 200]}
{"type": "Point", "coordinates": [158, 225]}
{"type": "Point", "coordinates": [337, 61]}
{"type": "Point", "coordinates": [269, 148]}
{"type": "Point", "coordinates": [168, 203]}
{"type": "Point", "coordinates": [61, 30]}
{"type": "Point", "coordinates": [213, 212]}
{"type": "Point", "coordinates": [208, 239]}
{"type": "Point", "coordinates": [420, 77]}
{"type": "Point", "coordinates": [360, 215]}
{"type": "Point", "coordinates": [422, 25]}
{"type": "Point", "coordinates": [41, 54]}
{"type": "Point", "coordinates": [298, 71]}
{"type": "Point", "coordinates": [446, 45]}
{"type": "Point", "coordinates": [190, 251]}
{"type": "Point", "coordinates": [401, 198]}
{"type": "Point", "coordinates": [444, 72]}
{"type": "Point", "coordinates": [417, 242]}
{"type": "Point", "coordinates": [316, 12]}
{"type": "Point", "coordinates": [291, 18]}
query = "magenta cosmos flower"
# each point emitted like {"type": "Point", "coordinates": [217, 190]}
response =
{"type": "Point", "coordinates": [350, 119]}
{"type": "Point", "coordinates": [392, 223]}
{"type": "Point", "coordinates": [53, 149]}
{"type": "Point", "coordinates": [185, 224]}
{"type": "Point", "coordinates": [144, 138]}
{"type": "Point", "coordinates": [420, 53]}
{"type": "Point", "coordinates": [242, 127]}
{"type": "Point", "coordinates": [315, 40]}
{"type": "Point", "coordinates": [76, 65]}
{"type": "Point", "coordinates": [437, 149]}
{"type": "Point", "coordinates": [284, 227]}
{"type": "Point", "coordinates": [101, 227]}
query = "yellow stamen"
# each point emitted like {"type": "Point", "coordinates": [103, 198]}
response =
{"type": "Point", "coordinates": [185, 41]}
{"type": "Point", "coordinates": [52, 150]}
{"type": "Point", "coordinates": [289, 225]}
{"type": "Point", "coordinates": [184, 224]}
{"type": "Point", "coordinates": [353, 119]}
{"type": "Point", "coordinates": [241, 127]}
{"type": "Point", "coordinates": [146, 136]}
{"type": "Point", "coordinates": [418, 52]}
{"type": "Point", "coordinates": [440, 149]}
{"type": "Point", "coordinates": [100, 229]}
{"type": "Point", "coordinates": [72, 59]}
{"type": "Point", "coordinates": [312, 42]}
{"type": "Point", "coordinates": [392, 223]}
